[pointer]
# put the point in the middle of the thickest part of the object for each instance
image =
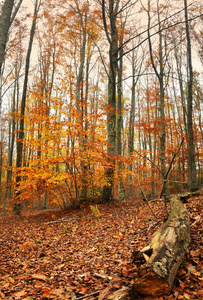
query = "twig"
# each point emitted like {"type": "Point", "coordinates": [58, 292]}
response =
{"type": "Point", "coordinates": [147, 158]}
{"type": "Point", "coordinates": [63, 220]}
{"type": "Point", "coordinates": [143, 193]}
{"type": "Point", "coordinates": [170, 168]}
{"type": "Point", "coordinates": [146, 229]}
{"type": "Point", "coordinates": [89, 295]}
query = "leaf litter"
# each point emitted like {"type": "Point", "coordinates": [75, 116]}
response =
{"type": "Point", "coordinates": [75, 254]}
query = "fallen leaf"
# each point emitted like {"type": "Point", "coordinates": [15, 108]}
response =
{"type": "Point", "coordinates": [146, 257]}
{"type": "Point", "coordinates": [191, 269]}
{"type": "Point", "coordinates": [11, 280]}
{"type": "Point", "coordinates": [39, 277]}
{"type": "Point", "coordinates": [58, 292]}
{"type": "Point", "coordinates": [20, 294]}
{"type": "Point", "coordinates": [46, 294]}
{"type": "Point", "coordinates": [118, 236]}
{"type": "Point", "coordinates": [187, 296]}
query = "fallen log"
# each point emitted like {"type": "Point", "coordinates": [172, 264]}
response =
{"type": "Point", "coordinates": [160, 259]}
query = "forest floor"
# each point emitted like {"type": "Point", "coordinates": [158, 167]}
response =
{"type": "Point", "coordinates": [43, 256]}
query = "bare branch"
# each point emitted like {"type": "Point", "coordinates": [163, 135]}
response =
{"type": "Point", "coordinates": [170, 168]}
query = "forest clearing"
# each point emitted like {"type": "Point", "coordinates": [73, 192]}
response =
{"type": "Point", "coordinates": [68, 255]}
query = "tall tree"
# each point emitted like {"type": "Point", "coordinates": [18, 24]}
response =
{"type": "Point", "coordinates": [80, 99]}
{"type": "Point", "coordinates": [112, 38]}
{"type": "Point", "coordinates": [5, 22]}
{"type": "Point", "coordinates": [23, 102]}
{"type": "Point", "coordinates": [191, 162]}
{"type": "Point", "coordinates": [6, 19]}
{"type": "Point", "coordinates": [159, 71]}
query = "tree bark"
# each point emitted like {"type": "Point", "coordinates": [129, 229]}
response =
{"type": "Point", "coordinates": [80, 102]}
{"type": "Point", "coordinates": [191, 162]}
{"type": "Point", "coordinates": [23, 102]}
{"type": "Point", "coordinates": [160, 259]}
{"type": "Point", "coordinates": [5, 19]}
{"type": "Point", "coordinates": [111, 115]}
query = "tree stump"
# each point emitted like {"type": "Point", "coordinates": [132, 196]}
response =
{"type": "Point", "coordinates": [162, 256]}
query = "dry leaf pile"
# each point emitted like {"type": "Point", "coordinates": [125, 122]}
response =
{"type": "Point", "coordinates": [69, 255]}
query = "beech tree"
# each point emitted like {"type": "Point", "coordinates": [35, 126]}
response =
{"type": "Point", "coordinates": [7, 16]}
{"type": "Point", "coordinates": [23, 104]}
{"type": "Point", "coordinates": [159, 71]}
{"type": "Point", "coordinates": [6, 19]}
{"type": "Point", "coordinates": [5, 22]}
{"type": "Point", "coordinates": [192, 166]}
{"type": "Point", "coordinates": [112, 39]}
{"type": "Point", "coordinates": [65, 152]}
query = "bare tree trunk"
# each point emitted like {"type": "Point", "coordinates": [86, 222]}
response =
{"type": "Point", "coordinates": [191, 163]}
{"type": "Point", "coordinates": [160, 76]}
{"type": "Point", "coordinates": [180, 80]}
{"type": "Point", "coordinates": [11, 148]}
{"type": "Point", "coordinates": [119, 127]}
{"type": "Point", "coordinates": [80, 104]}
{"type": "Point", "coordinates": [23, 106]}
{"type": "Point", "coordinates": [111, 114]}
{"type": "Point", "coordinates": [84, 164]}
{"type": "Point", "coordinates": [131, 131]}
{"type": "Point", "coordinates": [5, 22]}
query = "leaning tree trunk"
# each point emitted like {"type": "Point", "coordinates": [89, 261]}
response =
{"type": "Point", "coordinates": [160, 258]}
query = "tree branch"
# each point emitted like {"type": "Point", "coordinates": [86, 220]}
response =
{"type": "Point", "coordinates": [170, 168]}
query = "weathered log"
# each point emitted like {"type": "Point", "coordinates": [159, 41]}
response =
{"type": "Point", "coordinates": [162, 256]}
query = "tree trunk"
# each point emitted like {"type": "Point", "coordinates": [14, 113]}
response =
{"type": "Point", "coordinates": [11, 149]}
{"type": "Point", "coordinates": [160, 75]}
{"type": "Point", "coordinates": [80, 103]}
{"type": "Point", "coordinates": [5, 22]}
{"type": "Point", "coordinates": [119, 127]}
{"type": "Point", "coordinates": [131, 131]}
{"type": "Point", "coordinates": [160, 259]}
{"type": "Point", "coordinates": [111, 115]}
{"type": "Point", "coordinates": [191, 163]}
{"type": "Point", "coordinates": [23, 103]}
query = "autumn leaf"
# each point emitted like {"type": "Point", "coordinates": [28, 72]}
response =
{"type": "Point", "coordinates": [118, 236]}
{"type": "Point", "coordinates": [39, 277]}
{"type": "Point", "coordinates": [11, 280]}
{"type": "Point", "coordinates": [20, 294]}
{"type": "Point", "coordinates": [187, 296]}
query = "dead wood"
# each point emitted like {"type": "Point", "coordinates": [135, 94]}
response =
{"type": "Point", "coordinates": [115, 291]}
{"type": "Point", "coordinates": [161, 257]}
